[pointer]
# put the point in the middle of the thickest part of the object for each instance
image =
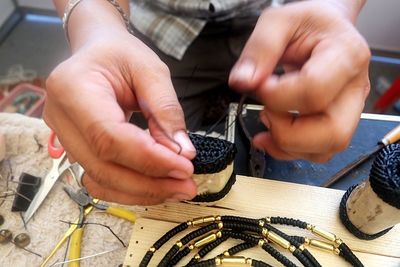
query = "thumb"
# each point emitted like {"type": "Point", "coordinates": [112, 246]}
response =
{"type": "Point", "coordinates": [166, 120]}
{"type": "Point", "coordinates": [263, 50]}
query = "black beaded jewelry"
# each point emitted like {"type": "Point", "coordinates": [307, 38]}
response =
{"type": "Point", "coordinates": [213, 156]}
{"type": "Point", "coordinates": [216, 229]}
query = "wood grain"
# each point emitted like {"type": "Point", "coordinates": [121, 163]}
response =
{"type": "Point", "coordinates": [253, 197]}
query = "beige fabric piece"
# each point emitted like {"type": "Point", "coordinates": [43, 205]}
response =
{"type": "Point", "coordinates": [26, 151]}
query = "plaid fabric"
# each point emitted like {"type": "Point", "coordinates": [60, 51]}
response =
{"type": "Point", "coordinates": [173, 24]}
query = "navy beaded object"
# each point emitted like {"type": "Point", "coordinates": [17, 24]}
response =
{"type": "Point", "coordinates": [213, 170]}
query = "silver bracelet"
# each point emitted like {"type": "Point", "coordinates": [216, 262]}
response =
{"type": "Point", "coordinates": [73, 3]}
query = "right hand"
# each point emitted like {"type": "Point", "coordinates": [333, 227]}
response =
{"type": "Point", "coordinates": [88, 99]}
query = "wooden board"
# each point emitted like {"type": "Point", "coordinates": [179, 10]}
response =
{"type": "Point", "coordinates": [257, 198]}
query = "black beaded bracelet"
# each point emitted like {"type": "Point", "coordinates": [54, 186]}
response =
{"type": "Point", "coordinates": [253, 232]}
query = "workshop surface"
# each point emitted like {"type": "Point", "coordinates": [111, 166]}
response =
{"type": "Point", "coordinates": [257, 198]}
{"type": "Point", "coordinates": [26, 151]}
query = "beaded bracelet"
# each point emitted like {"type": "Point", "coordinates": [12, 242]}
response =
{"type": "Point", "coordinates": [74, 3]}
{"type": "Point", "coordinates": [216, 229]}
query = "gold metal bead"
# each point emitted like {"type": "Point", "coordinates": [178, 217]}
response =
{"type": "Point", "coordinates": [302, 247]}
{"type": "Point", "coordinates": [292, 248]}
{"type": "Point", "coordinates": [191, 247]}
{"type": "Point", "coordinates": [309, 227]}
{"type": "Point", "coordinates": [276, 239]}
{"type": "Point", "coordinates": [179, 244]}
{"type": "Point", "coordinates": [205, 240]}
{"type": "Point", "coordinates": [249, 261]}
{"type": "Point", "coordinates": [338, 242]}
{"type": "Point", "coordinates": [261, 242]}
{"type": "Point", "coordinates": [322, 245]}
{"type": "Point", "coordinates": [219, 234]}
{"type": "Point", "coordinates": [233, 260]}
{"type": "Point", "coordinates": [261, 223]}
{"type": "Point", "coordinates": [264, 232]}
{"type": "Point", "coordinates": [189, 223]}
{"type": "Point", "coordinates": [307, 241]}
{"type": "Point", "coordinates": [336, 251]}
{"type": "Point", "coordinates": [152, 249]}
{"type": "Point", "coordinates": [218, 261]}
{"type": "Point", "coordinates": [226, 253]}
{"type": "Point", "coordinates": [197, 257]}
{"type": "Point", "coordinates": [268, 219]}
{"type": "Point", "coordinates": [200, 221]}
{"type": "Point", "coordinates": [220, 225]}
{"type": "Point", "coordinates": [218, 218]}
{"type": "Point", "coordinates": [323, 233]}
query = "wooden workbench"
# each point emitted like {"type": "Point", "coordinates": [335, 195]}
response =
{"type": "Point", "coordinates": [257, 198]}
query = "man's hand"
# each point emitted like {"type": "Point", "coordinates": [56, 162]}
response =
{"type": "Point", "coordinates": [325, 81]}
{"type": "Point", "coordinates": [88, 99]}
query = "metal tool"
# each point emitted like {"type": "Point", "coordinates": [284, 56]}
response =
{"type": "Point", "coordinates": [60, 164]}
{"type": "Point", "coordinates": [390, 138]}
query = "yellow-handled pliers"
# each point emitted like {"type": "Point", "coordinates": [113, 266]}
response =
{"type": "Point", "coordinates": [84, 200]}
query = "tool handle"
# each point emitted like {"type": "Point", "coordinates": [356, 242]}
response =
{"type": "Point", "coordinates": [391, 137]}
{"type": "Point", "coordinates": [75, 247]}
{"type": "Point", "coordinates": [122, 213]}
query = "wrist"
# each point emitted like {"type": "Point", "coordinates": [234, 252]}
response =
{"type": "Point", "coordinates": [91, 19]}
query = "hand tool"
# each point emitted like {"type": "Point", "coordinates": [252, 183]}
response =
{"type": "Point", "coordinates": [390, 138]}
{"type": "Point", "coordinates": [60, 164]}
{"type": "Point", "coordinates": [86, 204]}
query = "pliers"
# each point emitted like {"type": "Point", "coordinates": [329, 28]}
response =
{"type": "Point", "coordinates": [85, 202]}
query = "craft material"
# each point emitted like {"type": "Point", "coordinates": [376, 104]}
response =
{"type": "Point", "coordinates": [28, 186]}
{"type": "Point", "coordinates": [86, 205]}
{"type": "Point", "coordinates": [213, 230]}
{"type": "Point", "coordinates": [390, 138]}
{"type": "Point", "coordinates": [372, 208]}
{"type": "Point", "coordinates": [22, 240]}
{"type": "Point", "coordinates": [60, 164]}
{"type": "Point", "coordinates": [5, 236]}
{"type": "Point", "coordinates": [213, 167]}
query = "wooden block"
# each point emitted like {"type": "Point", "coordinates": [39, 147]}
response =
{"type": "Point", "coordinates": [253, 197]}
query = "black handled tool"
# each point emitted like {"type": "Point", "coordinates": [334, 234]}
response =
{"type": "Point", "coordinates": [390, 138]}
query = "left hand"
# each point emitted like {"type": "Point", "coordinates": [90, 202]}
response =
{"type": "Point", "coordinates": [326, 79]}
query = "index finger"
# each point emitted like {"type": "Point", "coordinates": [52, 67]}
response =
{"type": "Point", "coordinates": [317, 83]}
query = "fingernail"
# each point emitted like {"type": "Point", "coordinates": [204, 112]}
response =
{"type": "Point", "coordinates": [181, 197]}
{"type": "Point", "coordinates": [187, 147]}
{"type": "Point", "coordinates": [244, 71]}
{"type": "Point", "coordinates": [265, 120]}
{"type": "Point", "coordinates": [178, 174]}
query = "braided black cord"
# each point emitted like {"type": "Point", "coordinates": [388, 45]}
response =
{"type": "Point", "coordinates": [349, 256]}
{"type": "Point", "coordinates": [288, 221]}
{"type": "Point", "coordinates": [277, 255]}
{"type": "Point", "coordinates": [349, 225]}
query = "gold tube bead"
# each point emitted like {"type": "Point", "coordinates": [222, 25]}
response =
{"type": "Point", "coordinates": [278, 240]}
{"type": "Point", "coordinates": [200, 221]}
{"type": "Point", "coordinates": [323, 234]}
{"type": "Point", "coordinates": [234, 260]}
{"type": "Point", "coordinates": [322, 245]}
{"type": "Point", "coordinates": [152, 249]}
{"type": "Point", "coordinates": [205, 240]}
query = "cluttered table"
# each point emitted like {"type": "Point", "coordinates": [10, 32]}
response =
{"type": "Point", "coordinates": [26, 141]}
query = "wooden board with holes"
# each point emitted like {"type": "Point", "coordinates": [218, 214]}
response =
{"type": "Point", "coordinates": [258, 198]}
